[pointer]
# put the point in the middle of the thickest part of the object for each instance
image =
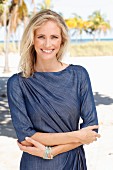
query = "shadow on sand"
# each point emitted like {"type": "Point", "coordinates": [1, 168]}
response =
{"type": "Point", "coordinates": [102, 99]}
{"type": "Point", "coordinates": [6, 127]}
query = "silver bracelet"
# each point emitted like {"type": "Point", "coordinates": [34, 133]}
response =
{"type": "Point", "coordinates": [47, 153]}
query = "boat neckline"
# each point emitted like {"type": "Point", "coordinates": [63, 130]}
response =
{"type": "Point", "coordinates": [54, 71]}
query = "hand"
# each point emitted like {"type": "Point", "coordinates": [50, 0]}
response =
{"type": "Point", "coordinates": [87, 135]}
{"type": "Point", "coordinates": [37, 149]}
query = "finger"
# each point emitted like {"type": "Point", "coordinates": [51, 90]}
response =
{"type": "Point", "coordinates": [88, 143]}
{"type": "Point", "coordinates": [98, 135]}
{"type": "Point", "coordinates": [95, 139]}
{"type": "Point", "coordinates": [19, 144]}
{"type": "Point", "coordinates": [93, 127]}
{"type": "Point", "coordinates": [27, 149]}
{"type": "Point", "coordinates": [35, 143]}
{"type": "Point", "coordinates": [22, 148]}
{"type": "Point", "coordinates": [32, 151]}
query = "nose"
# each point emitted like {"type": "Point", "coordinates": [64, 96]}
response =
{"type": "Point", "coordinates": [48, 43]}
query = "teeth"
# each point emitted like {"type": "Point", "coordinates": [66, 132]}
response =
{"type": "Point", "coordinates": [47, 51]}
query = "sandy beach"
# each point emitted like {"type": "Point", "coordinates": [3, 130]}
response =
{"type": "Point", "coordinates": [99, 154]}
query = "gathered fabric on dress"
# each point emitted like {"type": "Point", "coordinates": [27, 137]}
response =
{"type": "Point", "coordinates": [52, 102]}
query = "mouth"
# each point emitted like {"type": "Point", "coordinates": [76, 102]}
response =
{"type": "Point", "coordinates": [47, 51]}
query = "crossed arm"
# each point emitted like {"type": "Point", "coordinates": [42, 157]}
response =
{"type": "Point", "coordinates": [60, 142]}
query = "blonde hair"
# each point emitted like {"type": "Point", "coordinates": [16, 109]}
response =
{"type": "Point", "coordinates": [27, 50]}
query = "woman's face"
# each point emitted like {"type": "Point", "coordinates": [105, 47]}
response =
{"type": "Point", "coordinates": [47, 40]}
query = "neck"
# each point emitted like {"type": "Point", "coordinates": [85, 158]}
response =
{"type": "Point", "coordinates": [48, 65]}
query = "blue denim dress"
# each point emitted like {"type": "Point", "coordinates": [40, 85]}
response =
{"type": "Point", "coordinates": [52, 102]}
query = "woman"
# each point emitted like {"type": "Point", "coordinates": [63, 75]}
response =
{"type": "Point", "coordinates": [48, 97]}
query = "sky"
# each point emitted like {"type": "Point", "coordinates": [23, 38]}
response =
{"type": "Point", "coordinates": [82, 8]}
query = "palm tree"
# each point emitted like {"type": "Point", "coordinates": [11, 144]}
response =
{"type": "Point", "coordinates": [4, 22]}
{"type": "Point", "coordinates": [104, 27]}
{"type": "Point", "coordinates": [16, 12]}
{"type": "Point", "coordinates": [96, 24]}
{"type": "Point", "coordinates": [45, 5]}
{"type": "Point", "coordinates": [34, 4]}
{"type": "Point", "coordinates": [76, 24]}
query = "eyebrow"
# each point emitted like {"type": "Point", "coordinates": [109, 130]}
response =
{"type": "Point", "coordinates": [44, 35]}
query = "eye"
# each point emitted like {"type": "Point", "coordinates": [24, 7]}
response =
{"type": "Point", "coordinates": [54, 37]}
{"type": "Point", "coordinates": [40, 37]}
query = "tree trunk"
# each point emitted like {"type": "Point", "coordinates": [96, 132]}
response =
{"type": "Point", "coordinates": [6, 66]}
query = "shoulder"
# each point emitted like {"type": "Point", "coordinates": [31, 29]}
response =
{"type": "Point", "coordinates": [13, 81]}
{"type": "Point", "coordinates": [81, 72]}
{"type": "Point", "coordinates": [79, 69]}
{"type": "Point", "coordinates": [13, 85]}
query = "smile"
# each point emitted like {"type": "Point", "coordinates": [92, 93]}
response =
{"type": "Point", "coordinates": [47, 51]}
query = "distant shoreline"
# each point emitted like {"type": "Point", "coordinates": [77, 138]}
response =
{"type": "Point", "coordinates": [90, 40]}
{"type": "Point", "coordinates": [75, 40]}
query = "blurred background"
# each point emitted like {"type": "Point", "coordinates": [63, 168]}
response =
{"type": "Point", "coordinates": [90, 26]}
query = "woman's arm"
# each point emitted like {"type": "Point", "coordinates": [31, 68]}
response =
{"type": "Point", "coordinates": [84, 136]}
{"type": "Point", "coordinates": [38, 149]}
{"type": "Point", "coordinates": [56, 150]}
{"type": "Point", "coordinates": [52, 139]}
{"type": "Point", "coordinates": [88, 109]}
{"type": "Point", "coordinates": [20, 119]}
{"type": "Point", "coordinates": [24, 126]}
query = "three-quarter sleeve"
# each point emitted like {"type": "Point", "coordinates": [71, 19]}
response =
{"type": "Point", "coordinates": [20, 119]}
{"type": "Point", "coordinates": [88, 108]}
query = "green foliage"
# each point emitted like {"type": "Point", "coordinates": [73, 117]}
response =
{"type": "Point", "coordinates": [95, 24]}
{"type": "Point", "coordinates": [46, 4]}
{"type": "Point", "coordinates": [98, 23]}
{"type": "Point", "coordinates": [22, 11]}
{"type": "Point", "coordinates": [1, 9]}
{"type": "Point", "coordinates": [3, 1]}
